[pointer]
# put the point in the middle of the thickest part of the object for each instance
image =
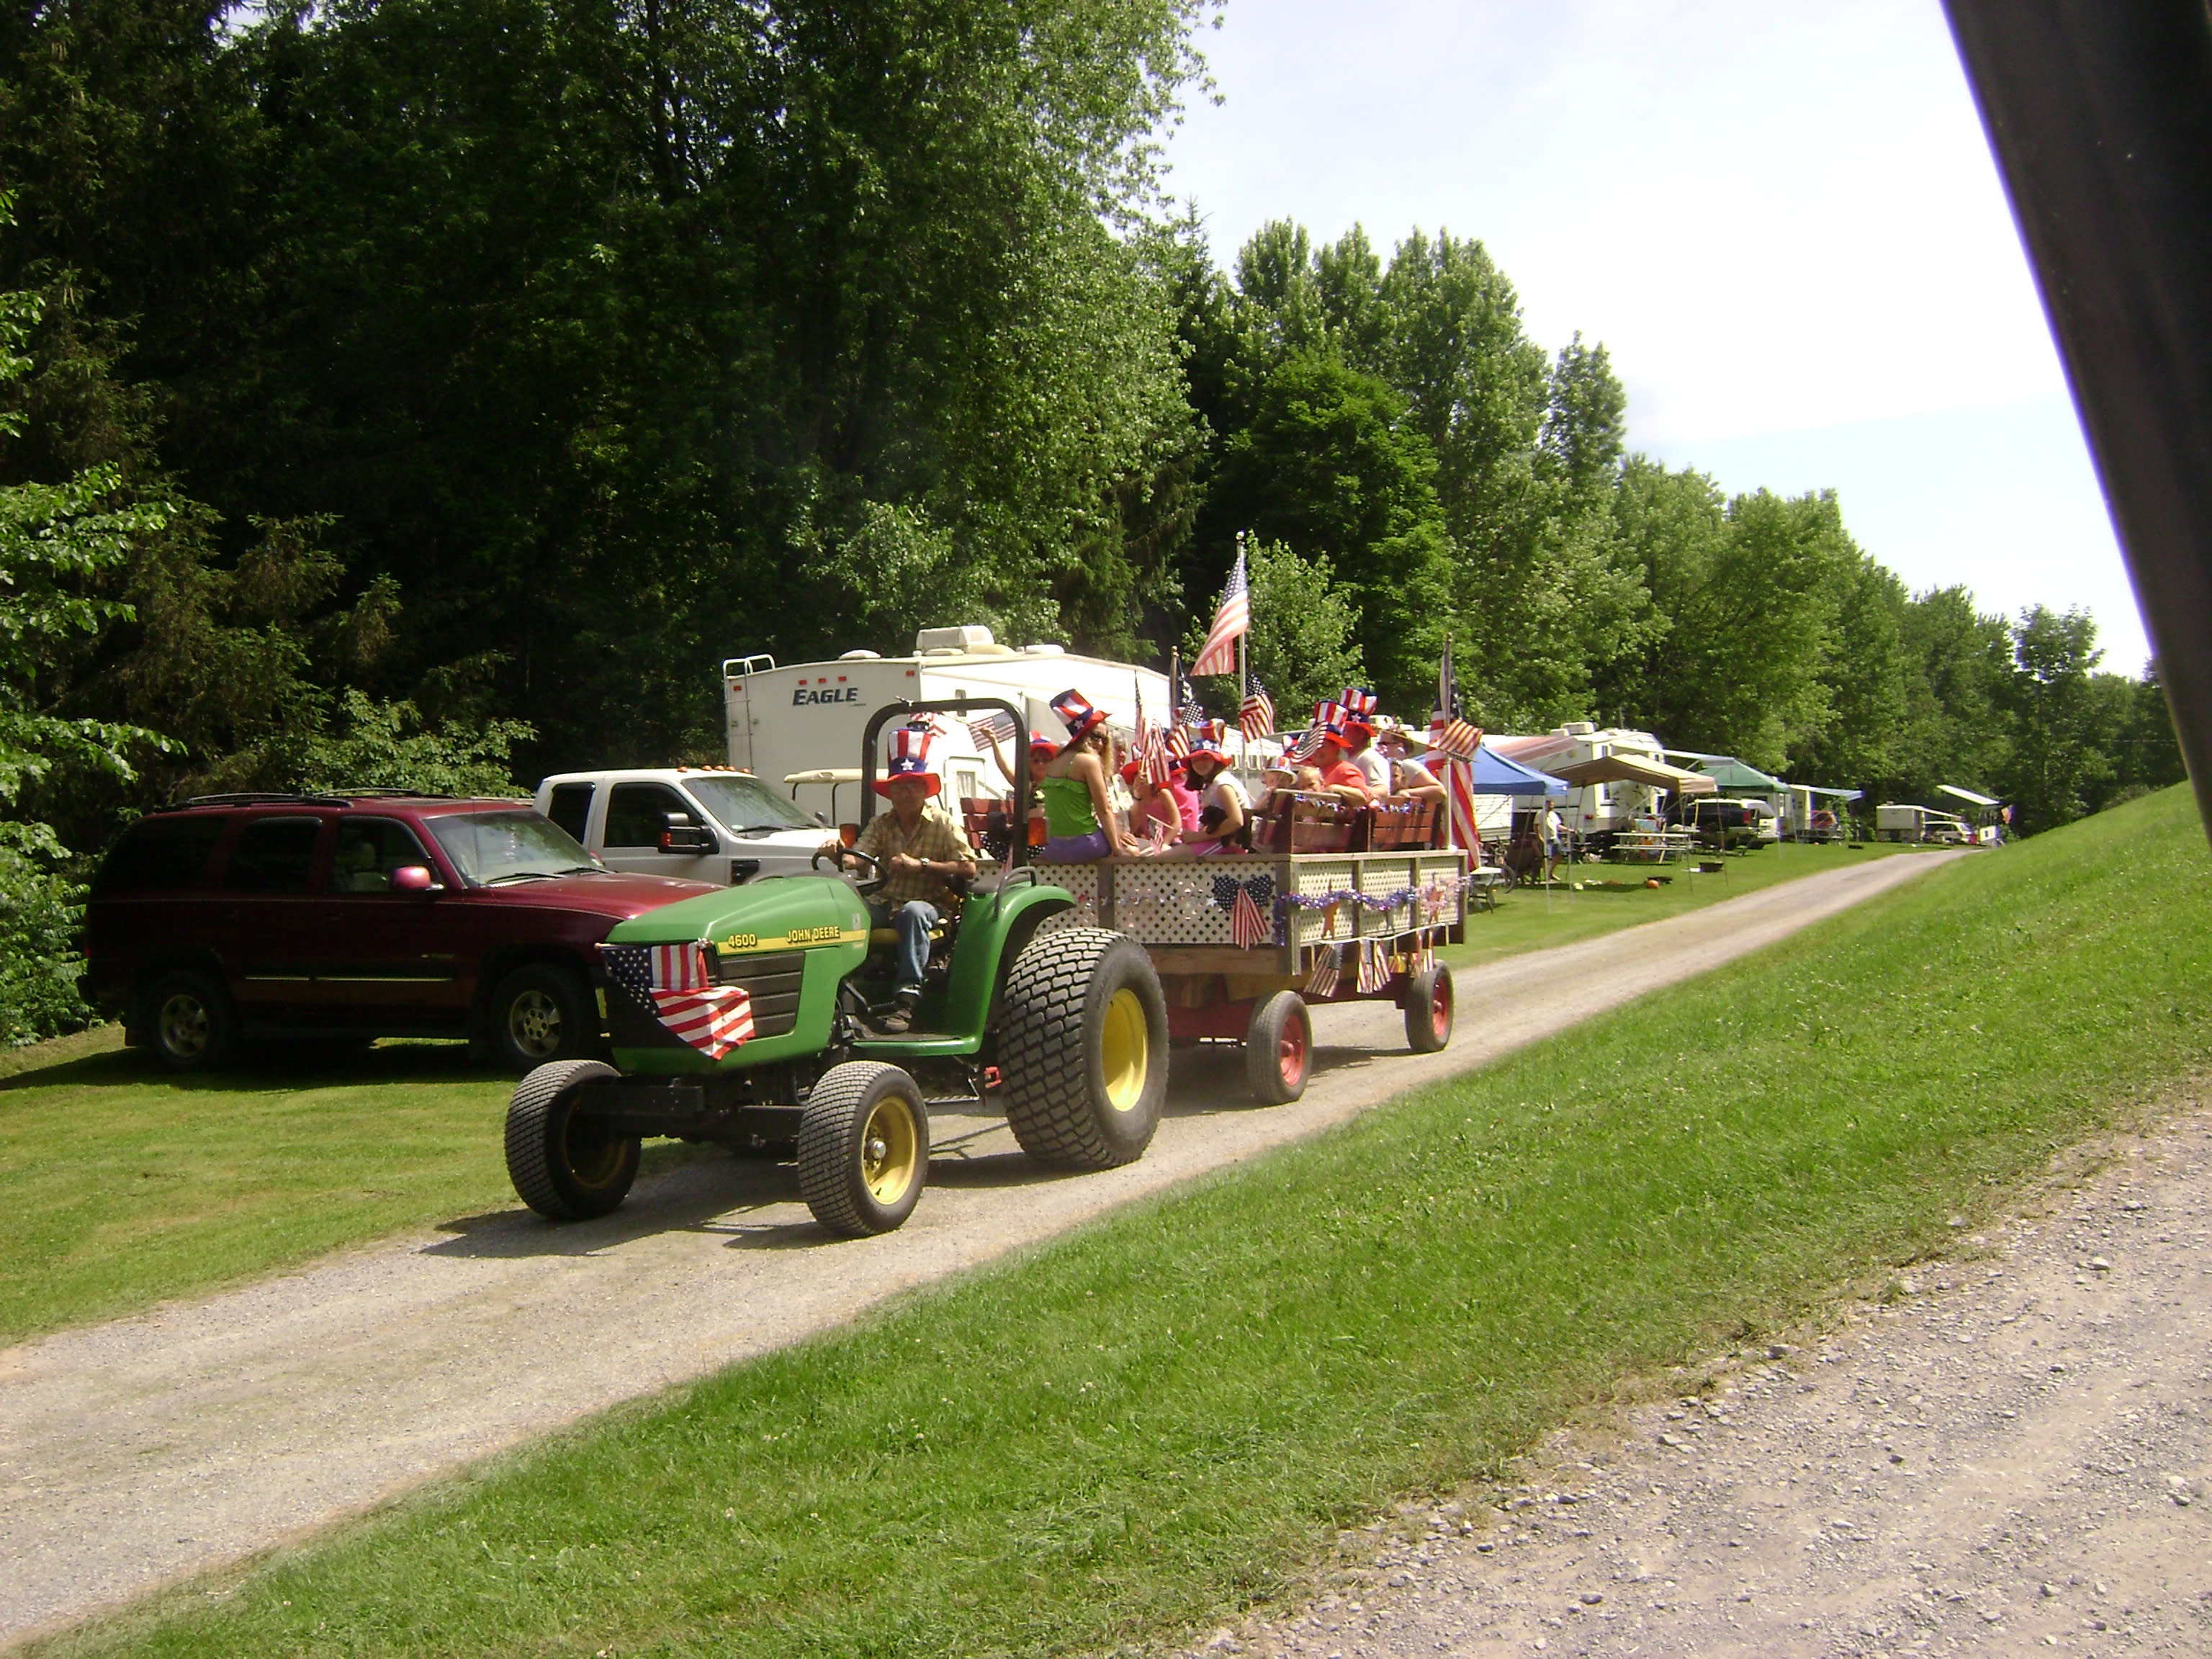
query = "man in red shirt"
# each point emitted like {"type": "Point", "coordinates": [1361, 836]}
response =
{"type": "Point", "coordinates": [1338, 776]}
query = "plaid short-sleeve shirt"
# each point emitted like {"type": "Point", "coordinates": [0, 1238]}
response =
{"type": "Point", "coordinates": [936, 838]}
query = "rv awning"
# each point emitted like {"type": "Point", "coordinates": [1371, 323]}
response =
{"type": "Point", "coordinates": [1821, 789]}
{"type": "Point", "coordinates": [1634, 769]}
{"type": "Point", "coordinates": [1967, 795]}
{"type": "Point", "coordinates": [1737, 777]}
{"type": "Point", "coordinates": [824, 775]}
{"type": "Point", "coordinates": [1494, 775]}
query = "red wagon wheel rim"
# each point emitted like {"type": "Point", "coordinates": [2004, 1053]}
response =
{"type": "Point", "coordinates": [1440, 1005]}
{"type": "Point", "coordinates": [1292, 1049]}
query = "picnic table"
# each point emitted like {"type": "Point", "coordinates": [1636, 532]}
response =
{"type": "Point", "coordinates": [1652, 846]}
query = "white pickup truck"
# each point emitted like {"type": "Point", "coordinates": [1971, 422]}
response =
{"type": "Point", "coordinates": [703, 822]}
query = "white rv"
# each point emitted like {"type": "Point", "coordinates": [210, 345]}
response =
{"type": "Point", "coordinates": [786, 722]}
{"type": "Point", "coordinates": [1596, 808]}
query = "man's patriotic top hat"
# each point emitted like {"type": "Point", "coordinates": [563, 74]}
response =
{"type": "Point", "coordinates": [1328, 723]}
{"type": "Point", "coordinates": [909, 759]}
{"type": "Point", "coordinates": [1359, 706]}
{"type": "Point", "coordinates": [1207, 737]}
{"type": "Point", "coordinates": [1075, 709]}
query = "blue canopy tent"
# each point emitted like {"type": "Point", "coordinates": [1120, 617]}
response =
{"type": "Point", "coordinates": [1494, 775]}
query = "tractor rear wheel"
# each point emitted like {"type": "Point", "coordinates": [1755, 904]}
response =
{"type": "Point", "coordinates": [1278, 1048]}
{"type": "Point", "coordinates": [565, 1167]}
{"type": "Point", "coordinates": [1083, 1047]}
{"type": "Point", "coordinates": [863, 1148]}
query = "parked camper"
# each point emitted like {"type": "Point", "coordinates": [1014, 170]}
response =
{"type": "Point", "coordinates": [785, 721]}
{"type": "Point", "coordinates": [1810, 812]}
{"type": "Point", "coordinates": [1902, 821]}
{"type": "Point", "coordinates": [1598, 809]}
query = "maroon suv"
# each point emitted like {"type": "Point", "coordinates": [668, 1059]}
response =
{"type": "Point", "coordinates": [355, 917]}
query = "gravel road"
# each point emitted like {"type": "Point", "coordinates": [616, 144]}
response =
{"type": "Point", "coordinates": [2010, 1452]}
{"type": "Point", "coordinates": [136, 1453]}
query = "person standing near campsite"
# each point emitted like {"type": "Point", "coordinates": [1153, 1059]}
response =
{"type": "Point", "coordinates": [1555, 841]}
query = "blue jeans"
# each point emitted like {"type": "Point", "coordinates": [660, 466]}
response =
{"type": "Point", "coordinates": [913, 920]}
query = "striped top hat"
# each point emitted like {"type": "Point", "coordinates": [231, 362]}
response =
{"type": "Point", "coordinates": [1359, 705]}
{"type": "Point", "coordinates": [1072, 706]}
{"type": "Point", "coordinates": [1207, 737]}
{"type": "Point", "coordinates": [1327, 723]}
{"type": "Point", "coordinates": [909, 759]}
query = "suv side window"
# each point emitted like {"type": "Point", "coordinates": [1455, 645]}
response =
{"type": "Point", "coordinates": [571, 808]}
{"type": "Point", "coordinates": [160, 855]}
{"type": "Point", "coordinates": [368, 851]}
{"type": "Point", "coordinates": [638, 812]}
{"type": "Point", "coordinates": [273, 856]}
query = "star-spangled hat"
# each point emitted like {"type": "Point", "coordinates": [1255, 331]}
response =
{"type": "Point", "coordinates": [1359, 705]}
{"type": "Point", "coordinates": [1207, 737]}
{"type": "Point", "coordinates": [1072, 706]}
{"type": "Point", "coordinates": [909, 759]}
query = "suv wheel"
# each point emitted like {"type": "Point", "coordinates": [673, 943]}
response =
{"type": "Point", "coordinates": [538, 1014]}
{"type": "Point", "coordinates": [188, 1021]}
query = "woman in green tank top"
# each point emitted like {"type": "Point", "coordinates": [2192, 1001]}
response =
{"type": "Point", "coordinates": [1079, 820]}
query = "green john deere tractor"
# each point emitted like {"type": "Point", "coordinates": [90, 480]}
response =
{"type": "Point", "coordinates": [1063, 1027]}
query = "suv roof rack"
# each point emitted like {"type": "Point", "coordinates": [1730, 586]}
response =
{"type": "Point", "coordinates": [261, 797]}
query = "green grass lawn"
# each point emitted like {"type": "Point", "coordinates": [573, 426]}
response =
{"type": "Point", "coordinates": [1529, 919]}
{"type": "Point", "coordinates": [1163, 1420]}
{"type": "Point", "coordinates": [120, 1188]}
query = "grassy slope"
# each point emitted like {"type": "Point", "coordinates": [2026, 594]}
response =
{"type": "Point", "coordinates": [118, 1187]}
{"type": "Point", "coordinates": [1163, 1419]}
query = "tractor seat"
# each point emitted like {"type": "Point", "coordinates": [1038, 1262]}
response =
{"type": "Point", "coordinates": [883, 939]}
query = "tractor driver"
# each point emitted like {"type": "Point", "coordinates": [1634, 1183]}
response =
{"type": "Point", "coordinates": [921, 855]}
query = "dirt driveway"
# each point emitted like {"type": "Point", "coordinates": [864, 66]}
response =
{"type": "Point", "coordinates": [135, 1453]}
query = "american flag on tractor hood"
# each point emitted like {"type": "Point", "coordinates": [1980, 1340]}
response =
{"type": "Point", "coordinates": [676, 981]}
{"type": "Point", "coordinates": [1219, 654]}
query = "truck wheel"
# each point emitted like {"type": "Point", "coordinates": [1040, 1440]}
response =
{"type": "Point", "coordinates": [863, 1148]}
{"type": "Point", "coordinates": [1278, 1049]}
{"type": "Point", "coordinates": [1428, 1008]}
{"type": "Point", "coordinates": [539, 1014]}
{"type": "Point", "coordinates": [1084, 1049]}
{"type": "Point", "coordinates": [564, 1167]}
{"type": "Point", "coordinates": [188, 1021]}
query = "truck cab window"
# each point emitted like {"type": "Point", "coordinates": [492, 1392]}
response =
{"type": "Point", "coordinates": [571, 808]}
{"type": "Point", "coordinates": [638, 812]}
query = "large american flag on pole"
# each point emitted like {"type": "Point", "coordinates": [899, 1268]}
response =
{"type": "Point", "coordinates": [1219, 654]}
{"type": "Point", "coordinates": [676, 981]}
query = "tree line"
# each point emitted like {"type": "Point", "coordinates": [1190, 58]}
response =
{"type": "Point", "coordinates": [431, 392]}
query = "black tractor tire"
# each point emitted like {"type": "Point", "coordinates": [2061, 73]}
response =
{"type": "Point", "coordinates": [539, 1014]}
{"type": "Point", "coordinates": [863, 1148]}
{"type": "Point", "coordinates": [1278, 1048]}
{"type": "Point", "coordinates": [1083, 1047]}
{"type": "Point", "coordinates": [1428, 1006]}
{"type": "Point", "coordinates": [565, 1168]}
{"type": "Point", "coordinates": [188, 1022]}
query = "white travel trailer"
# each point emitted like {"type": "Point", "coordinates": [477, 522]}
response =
{"type": "Point", "coordinates": [806, 718]}
{"type": "Point", "coordinates": [1596, 808]}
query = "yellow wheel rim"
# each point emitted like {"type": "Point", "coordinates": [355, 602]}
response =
{"type": "Point", "coordinates": [1125, 1051]}
{"type": "Point", "coordinates": [891, 1147]}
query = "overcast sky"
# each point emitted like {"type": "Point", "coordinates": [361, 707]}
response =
{"type": "Point", "coordinates": [1782, 218]}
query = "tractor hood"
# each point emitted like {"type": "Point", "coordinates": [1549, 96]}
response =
{"type": "Point", "coordinates": [773, 914]}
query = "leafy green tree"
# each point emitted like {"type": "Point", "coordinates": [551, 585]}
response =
{"type": "Point", "coordinates": [2062, 764]}
{"type": "Point", "coordinates": [1305, 642]}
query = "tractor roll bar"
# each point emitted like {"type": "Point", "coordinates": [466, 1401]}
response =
{"type": "Point", "coordinates": [1018, 819]}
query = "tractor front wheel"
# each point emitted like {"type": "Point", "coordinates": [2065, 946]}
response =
{"type": "Point", "coordinates": [565, 1167]}
{"type": "Point", "coordinates": [1083, 1047]}
{"type": "Point", "coordinates": [863, 1148]}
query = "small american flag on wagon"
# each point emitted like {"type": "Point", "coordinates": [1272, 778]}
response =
{"type": "Point", "coordinates": [1000, 726]}
{"type": "Point", "coordinates": [676, 982]}
{"type": "Point", "coordinates": [1255, 716]}
{"type": "Point", "coordinates": [1322, 981]}
{"type": "Point", "coordinates": [1246, 927]}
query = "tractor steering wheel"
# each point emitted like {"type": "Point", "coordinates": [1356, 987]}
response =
{"type": "Point", "coordinates": [872, 877]}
